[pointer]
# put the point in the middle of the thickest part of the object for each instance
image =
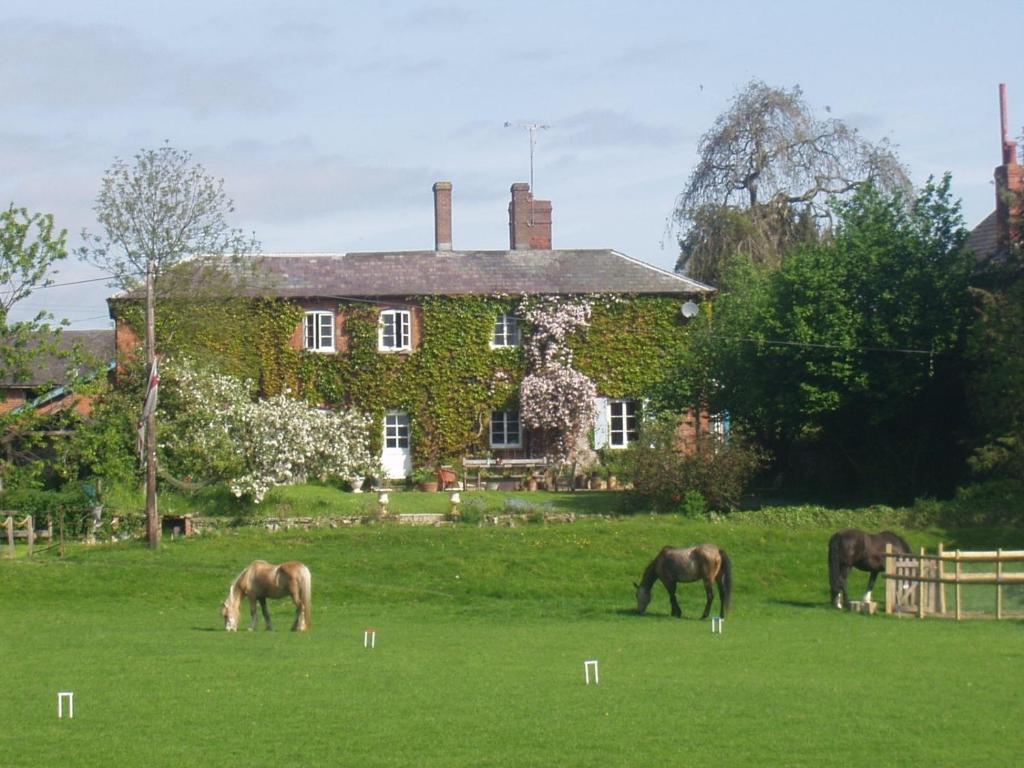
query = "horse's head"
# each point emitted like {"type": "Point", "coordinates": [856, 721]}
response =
{"type": "Point", "coordinates": [230, 616]}
{"type": "Point", "coordinates": [643, 598]}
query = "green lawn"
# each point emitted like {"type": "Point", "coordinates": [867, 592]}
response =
{"type": "Point", "coordinates": [481, 638]}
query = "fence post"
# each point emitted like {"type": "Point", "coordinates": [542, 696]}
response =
{"type": "Point", "coordinates": [890, 580]}
{"type": "Point", "coordinates": [958, 572]}
{"type": "Point", "coordinates": [31, 534]}
{"type": "Point", "coordinates": [922, 587]}
{"type": "Point", "coordinates": [9, 525]}
{"type": "Point", "coordinates": [61, 523]}
{"type": "Point", "coordinates": [999, 583]}
{"type": "Point", "coordinates": [942, 584]}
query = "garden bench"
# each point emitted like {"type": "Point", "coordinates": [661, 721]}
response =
{"type": "Point", "coordinates": [504, 466]}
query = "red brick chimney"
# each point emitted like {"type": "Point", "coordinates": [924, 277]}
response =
{"type": "Point", "coordinates": [1009, 183]}
{"type": "Point", "coordinates": [443, 216]}
{"type": "Point", "coordinates": [529, 220]}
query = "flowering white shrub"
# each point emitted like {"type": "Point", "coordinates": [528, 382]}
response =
{"type": "Point", "coordinates": [286, 441]}
{"type": "Point", "coordinates": [555, 400]}
{"type": "Point", "coordinates": [214, 428]}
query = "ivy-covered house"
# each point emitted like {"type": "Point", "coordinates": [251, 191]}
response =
{"type": "Point", "coordinates": [448, 349]}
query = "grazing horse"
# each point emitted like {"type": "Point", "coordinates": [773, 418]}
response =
{"type": "Point", "coordinates": [856, 549]}
{"type": "Point", "coordinates": [262, 580]}
{"type": "Point", "coordinates": [672, 565]}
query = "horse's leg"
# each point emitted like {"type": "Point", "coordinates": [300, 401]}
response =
{"type": "Point", "coordinates": [676, 610]}
{"type": "Point", "coordinates": [252, 613]}
{"type": "Point", "coordinates": [266, 612]}
{"type": "Point", "coordinates": [871, 586]}
{"type": "Point", "coordinates": [299, 625]}
{"type": "Point", "coordinates": [710, 595]}
{"type": "Point", "coordinates": [842, 600]}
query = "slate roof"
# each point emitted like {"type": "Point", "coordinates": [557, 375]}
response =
{"type": "Point", "coordinates": [97, 347]}
{"type": "Point", "coordinates": [461, 273]}
{"type": "Point", "coordinates": [983, 240]}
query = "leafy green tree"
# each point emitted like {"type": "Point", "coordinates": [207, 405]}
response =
{"type": "Point", "coordinates": [846, 362]}
{"type": "Point", "coordinates": [996, 381]}
{"type": "Point", "coordinates": [30, 248]}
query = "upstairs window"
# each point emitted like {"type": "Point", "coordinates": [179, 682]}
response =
{"type": "Point", "coordinates": [318, 331]}
{"type": "Point", "coordinates": [622, 423]}
{"type": "Point", "coordinates": [505, 429]}
{"type": "Point", "coordinates": [394, 331]}
{"type": "Point", "coordinates": [506, 331]}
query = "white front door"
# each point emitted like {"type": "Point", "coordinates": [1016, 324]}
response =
{"type": "Point", "coordinates": [395, 456]}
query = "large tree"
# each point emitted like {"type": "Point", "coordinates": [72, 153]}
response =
{"type": "Point", "coordinates": [30, 247]}
{"type": "Point", "coordinates": [164, 221]}
{"type": "Point", "coordinates": [846, 361]}
{"type": "Point", "coordinates": [766, 171]}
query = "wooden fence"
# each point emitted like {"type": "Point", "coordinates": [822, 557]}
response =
{"type": "Point", "coordinates": [916, 583]}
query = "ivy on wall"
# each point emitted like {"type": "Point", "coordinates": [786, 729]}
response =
{"type": "Point", "coordinates": [453, 379]}
{"type": "Point", "coordinates": [632, 345]}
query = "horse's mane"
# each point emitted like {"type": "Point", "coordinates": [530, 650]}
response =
{"type": "Point", "coordinates": [896, 538]}
{"type": "Point", "coordinates": [650, 574]}
{"type": "Point", "coordinates": [240, 586]}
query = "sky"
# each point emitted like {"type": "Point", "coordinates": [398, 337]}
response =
{"type": "Point", "coordinates": [330, 121]}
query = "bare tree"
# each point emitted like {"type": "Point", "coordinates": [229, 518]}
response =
{"type": "Point", "coordinates": [165, 227]}
{"type": "Point", "coordinates": [769, 157]}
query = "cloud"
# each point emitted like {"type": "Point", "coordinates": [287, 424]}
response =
{"type": "Point", "coordinates": [445, 15]}
{"type": "Point", "coordinates": [107, 66]}
{"type": "Point", "coordinates": [292, 181]}
{"type": "Point", "coordinates": [606, 128]}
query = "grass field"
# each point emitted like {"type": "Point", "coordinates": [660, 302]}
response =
{"type": "Point", "coordinates": [481, 637]}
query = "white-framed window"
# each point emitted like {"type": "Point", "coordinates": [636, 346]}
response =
{"type": "Point", "coordinates": [396, 429]}
{"type": "Point", "coordinates": [394, 330]}
{"type": "Point", "coordinates": [505, 431]}
{"type": "Point", "coordinates": [622, 423]}
{"type": "Point", "coordinates": [719, 425]}
{"type": "Point", "coordinates": [506, 331]}
{"type": "Point", "coordinates": [318, 331]}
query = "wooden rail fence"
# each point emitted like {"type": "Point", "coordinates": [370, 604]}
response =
{"type": "Point", "coordinates": [916, 583]}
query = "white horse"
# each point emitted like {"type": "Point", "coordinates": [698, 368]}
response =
{"type": "Point", "coordinates": [262, 580]}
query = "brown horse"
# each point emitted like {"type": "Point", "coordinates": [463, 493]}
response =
{"type": "Point", "coordinates": [853, 548]}
{"type": "Point", "coordinates": [706, 562]}
{"type": "Point", "coordinates": [262, 580]}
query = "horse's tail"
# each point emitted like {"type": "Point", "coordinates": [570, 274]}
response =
{"type": "Point", "coordinates": [835, 563]}
{"type": "Point", "coordinates": [725, 581]}
{"type": "Point", "coordinates": [306, 597]}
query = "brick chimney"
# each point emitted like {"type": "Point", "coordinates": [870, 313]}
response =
{"type": "Point", "coordinates": [443, 216]}
{"type": "Point", "coordinates": [529, 220]}
{"type": "Point", "coordinates": [1009, 183]}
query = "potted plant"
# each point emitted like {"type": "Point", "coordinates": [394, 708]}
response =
{"type": "Point", "coordinates": [424, 479]}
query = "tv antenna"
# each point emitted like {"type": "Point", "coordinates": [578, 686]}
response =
{"type": "Point", "coordinates": [532, 128]}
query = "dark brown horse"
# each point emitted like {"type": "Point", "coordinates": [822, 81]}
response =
{"type": "Point", "coordinates": [261, 580]}
{"type": "Point", "coordinates": [705, 562]}
{"type": "Point", "coordinates": [853, 548]}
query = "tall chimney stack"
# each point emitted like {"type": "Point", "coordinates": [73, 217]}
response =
{"type": "Point", "coordinates": [1009, 182]}
{"type": "Point", "coordinates": [529, 220]}
{"type": "Point", "coordinates": [443, 216]}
